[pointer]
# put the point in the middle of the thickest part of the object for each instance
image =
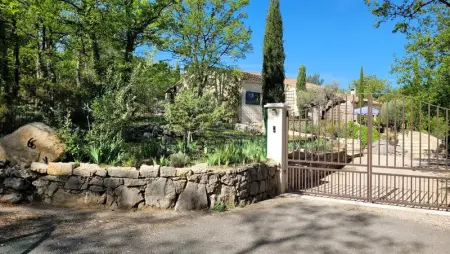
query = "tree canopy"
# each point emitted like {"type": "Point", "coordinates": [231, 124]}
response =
{"type": "Point", "coordinates": [315, 79]}
{"type": "Point", "coordinates": [208, 34]}
{"type": "Point", "coordinates": [423, 72]}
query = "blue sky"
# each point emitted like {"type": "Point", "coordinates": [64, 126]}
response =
{"type": "Point", "coordinates": [331, 37]}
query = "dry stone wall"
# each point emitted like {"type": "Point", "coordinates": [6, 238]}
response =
{"type": "Point", "coordinates": [89, 185]}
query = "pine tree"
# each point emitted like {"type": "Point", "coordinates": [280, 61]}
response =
{"type": "Point", "coordinates": [273, 56]}
{"type": "Point", "coordinates": [360, 87]}
{"type": "Point", "coordinates": [301, 78]}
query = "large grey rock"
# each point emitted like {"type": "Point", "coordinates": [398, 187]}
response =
{"type": "Point", "coordinates": [96, 180]}
{"type": "Point", "coordinates": [134, 182]}
{"type": "Point", "coordinates": [43, 139]}
{"type": "Point", "coordinates": [95, 188]}
{"type": "Point", "coordinates": [127, 198]}
{"type": "Point", "coordinates": [112, 182]}
{"type": "Point", "coordinates": [39, 183]}
{"type": "Point", "coordinates": [160, 193]}
{"type": "Point", "coordinates": [82, 172]}
{"type": "Point", "coordinates": [200, 168]}
{"type": "Point", "coordinates": [179, 186]}
{"type": "Point", "coordinates": [55, 178]}
{"type": "Point", "coordinates": [84, 199]}
{"type": "Point", "coordinates": [213, 183]}
{"type": "Point", "coordinates": [149, 171]}
{"type": "Point", "coordinates": [263, 172]}
{"type": "Point", "coordinates": [61, 169]}
{"type": "Point", "coordinates": [39, 167]}
{"type": "Point", "coordinates": [229, 179]}
{"type": "Point", "coordinates": [228, 195]}
{"type": "Point", "coordinates": [74, 183]}
{"type": "Point", "coordinates": [52, 188]}
{"type": "Point", "coordinates": [192, 198]}
{"type": "Point", "coordinates": [15, 183]}
{"type": "Point", "coordinates": [124, 172]}
{"type": "Point", "coordinates": [168, 172]}
{"type": "Point", "coordinates": [11, 198]}
{"type": "Point", "coordinates": [184, 172]}
{"type": "Point", "coordinates": [87, 169]}
{"type": "Point", "coordinates": [254, 188]}
{"type": "Point", "coordinates": [23, 173]}
{"type": "Point", "coordinates": [262, 187]}
{"type": "Point", "coordinates": [101, 172]}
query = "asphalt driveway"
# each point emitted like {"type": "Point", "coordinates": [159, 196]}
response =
{"type": "Point", "coordinates": [289, 224]}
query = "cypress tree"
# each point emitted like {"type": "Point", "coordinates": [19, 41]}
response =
{"type": "Point", "coordinates": [360, 88]}
{"type": "Point", "coordinates": [301, 79]}
{"type": "Point", "coordinates": [273, 56]}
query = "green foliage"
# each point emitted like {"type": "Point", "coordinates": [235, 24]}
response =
{"type": "Point", "coordinates": [301, 78]}
{"type": "Point", "coordinates": [191, 114]}
{"type": "Point", "coordinates": [273, 56]}
{"type": "Point", "coordinates": [210, 30]}
{"type": "Point", "coordinates": [315, 79]}
{"type": "Point", "coordinates": [179, 160]}
{"type": "Point", "coordinates": [312, 146]}
{"type": "Point", "coordinates": [72, 137]}
{"type": "Point", "coordinates": [238, 152]}
{"type": "Point", "coordinates": [370, 85]}
{"type": "Point", "coordinates": [423, 71]}
{"type": "Point", "coordinates": [316, 97]}
{"type": "Point", "coordinates": [162, 161]}
{"type": "Point", "coordinates": [107, 149]}
{"type": "Point", "coordinates": [360, 132]}
{"type": "Point", "coordinates": [391, 113]}
{"type": "Point", "coordinates": [220, 207]}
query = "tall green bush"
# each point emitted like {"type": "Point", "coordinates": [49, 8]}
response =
{"type": "Point", "coordinates": [360, 132]}
{"type": "Point", "coordinates": [192, 114]}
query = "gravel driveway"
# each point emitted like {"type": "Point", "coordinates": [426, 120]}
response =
{"type": "Point", "coordinates": [288, 224]}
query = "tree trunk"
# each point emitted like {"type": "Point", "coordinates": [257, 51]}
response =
{"type": "Point", "coordinates": [129, 49]}
{"type": "Point", "coordinates": [15, 89]}
{"type": "Point", "coordinates": [78, 71]}
{"type": "Point", "coordinates": [49, 61]}
{"type": "Point", "coordinates": [96, 54]}
{"type": "Point", "coordinates": [38, 55]}
{"type": "Point", "coordinates": [4, 71]}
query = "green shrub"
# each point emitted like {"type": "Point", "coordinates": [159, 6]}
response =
{"type": "Point", "coordinates": [238, 152]}
{"type": "Point", "coordinates": [220, 207]}
{"type": "Point", "coordinates": [319, 145]}
{"type": "Point", "coordinates": [72, 137]}
{"type": "Point", "coordinates": [360, 132]}
{"type": "Point", "coordinates": [162, 161]}
{"type": "Point", "coordinates": [106, 150]}
{"type": "Point", "coordinates": [179, 160]}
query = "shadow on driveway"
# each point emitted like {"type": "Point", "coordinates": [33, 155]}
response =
{"type": "Point", "coordinates": [278, 227]}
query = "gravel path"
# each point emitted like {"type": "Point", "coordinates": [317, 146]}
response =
{"type": "Point", "coordinates": [288, 224]}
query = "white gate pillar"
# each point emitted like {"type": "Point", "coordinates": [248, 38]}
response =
{"type": "Point", "coordinates": [277, 138]}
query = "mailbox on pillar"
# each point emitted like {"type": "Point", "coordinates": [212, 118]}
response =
{"type": "Point", "coordinates": [277, 138]}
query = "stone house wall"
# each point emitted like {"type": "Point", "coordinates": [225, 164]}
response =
{"type": "Point", "coordinates": [89, 185]}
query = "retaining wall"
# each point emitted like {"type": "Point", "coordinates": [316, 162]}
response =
{"type": "Point", "coordinates": [89, 185]}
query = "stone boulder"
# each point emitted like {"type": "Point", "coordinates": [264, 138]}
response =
{"type": "Point", "coordinates": [34, 142]}
{"type": "Point", "coordinates": [160, 193]}
{"type": "Point", "coordinates": [192, 198]}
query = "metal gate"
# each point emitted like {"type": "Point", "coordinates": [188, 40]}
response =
{"type": "Point", "coordinates": [385, 149]}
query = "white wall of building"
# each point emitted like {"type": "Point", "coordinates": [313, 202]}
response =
{"type": "Point", "coordinates": [250, 113]}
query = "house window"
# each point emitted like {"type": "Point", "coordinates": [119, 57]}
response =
{"type": "Point", "coordinates": [252, 98]}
